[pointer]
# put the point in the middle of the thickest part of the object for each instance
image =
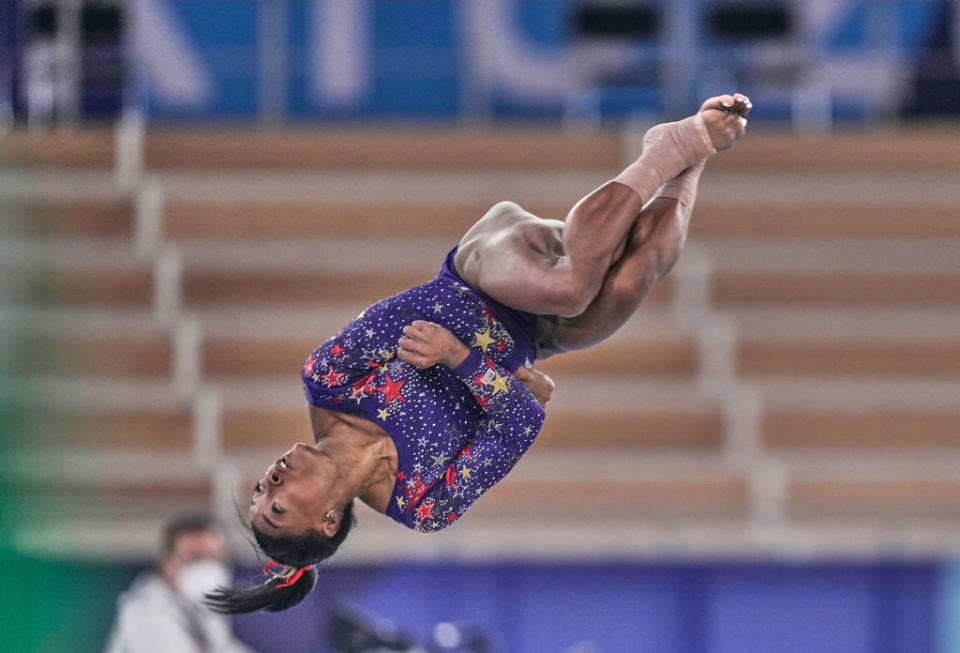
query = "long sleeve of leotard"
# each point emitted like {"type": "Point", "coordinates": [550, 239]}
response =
{"type": "Point", "coordinates": [508, 403]}
{"type": "Point", "coordinates": [513, 420]}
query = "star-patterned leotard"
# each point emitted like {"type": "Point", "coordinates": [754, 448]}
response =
{"type": "Point", "coordinates": [457, 431]}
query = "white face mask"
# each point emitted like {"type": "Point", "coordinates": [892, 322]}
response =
{"type": "Point", "coordinates": [197, 578]}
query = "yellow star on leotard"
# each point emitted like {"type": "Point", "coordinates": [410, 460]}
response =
{"type": "Point", "coordinates": [499, 383]}
{"type": "Point", "coordinates": [483, 340]}
{"type": "Point", "coordinates": [465, 472]}
{"type": "Point", "coordinates": [401, 502]}
{"type": "Point", "coordinates": [383, 413]}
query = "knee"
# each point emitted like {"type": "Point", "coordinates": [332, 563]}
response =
{"type": "Point", "coordinates": [504, 209]}
{"type": "Point", "coordinates": [627, 291]}
{"type": "Point", "coordinates": [572, 297]}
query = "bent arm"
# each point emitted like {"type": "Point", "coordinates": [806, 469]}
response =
{"type": "Point", "coordinates": [513, 418]}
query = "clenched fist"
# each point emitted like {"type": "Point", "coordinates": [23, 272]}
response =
{"type": "Point", "coordinates": [426, 344]}
{"type": "Point", "coordinates": [539, 383]}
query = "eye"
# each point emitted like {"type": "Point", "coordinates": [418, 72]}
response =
{"type": "Point", "coordinates": [276, 509]}
{"type": "Point", "coordinates": [257, 487]}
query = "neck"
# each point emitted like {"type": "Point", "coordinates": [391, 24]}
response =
{"type": "Point", "coordinates": [362, 463]}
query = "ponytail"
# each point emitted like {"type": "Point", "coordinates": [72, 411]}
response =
{"type": "Point", "coordinates": [277, 594]}
{"type": "Point", "coordinates": [286, 589]}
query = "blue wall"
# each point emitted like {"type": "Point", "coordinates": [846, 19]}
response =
{"type": "Point", "coordinates": [698, 608]}
{"type": "Point", "coordinates": [51, 605]}
{"type": "Point", "coordinates": [415, 61]}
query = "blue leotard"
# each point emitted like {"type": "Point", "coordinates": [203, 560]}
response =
{"type": "Point", "coordinates": [457, 432]}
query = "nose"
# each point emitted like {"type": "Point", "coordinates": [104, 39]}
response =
{"type": "Point", "coordinates": [273, 476]}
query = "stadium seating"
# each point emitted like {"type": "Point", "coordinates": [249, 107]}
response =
{"type": "Point", "coordinates": [797, 373]}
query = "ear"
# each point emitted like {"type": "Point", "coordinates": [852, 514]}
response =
{"type": "Point", "coordinates": [331, 523]}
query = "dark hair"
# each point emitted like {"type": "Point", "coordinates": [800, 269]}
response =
{"type": "Point", "coordinates": [296, 552]}
{"type": "Point", "coordinates": [188, 523]}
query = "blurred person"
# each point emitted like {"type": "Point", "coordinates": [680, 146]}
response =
{"type": "Point", "coordinates": [163, 611]}
{"type": "Point", "coordinates": [430, 397]}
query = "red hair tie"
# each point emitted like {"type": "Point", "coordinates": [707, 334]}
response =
{"type": "Point", "coordinates": [292, 579]}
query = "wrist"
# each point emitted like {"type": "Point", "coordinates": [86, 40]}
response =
{"type": "Point", "coordinates": [457, 353]}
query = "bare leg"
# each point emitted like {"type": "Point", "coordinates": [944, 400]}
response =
{"type": "Point", "coordinates": [553, 268]}
{"type": "Point", "coordinates": [547, 266]}
{"type": "Point", "coordinates": [589, 273]}
{"type": "Point", "coordinates": [651, 250]}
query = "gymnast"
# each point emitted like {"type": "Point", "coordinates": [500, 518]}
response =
{"type": "Point", "coordinates": [429, 398]}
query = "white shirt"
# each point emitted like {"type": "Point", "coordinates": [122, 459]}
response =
{"type": "Point", "coordinates": [152, 618]}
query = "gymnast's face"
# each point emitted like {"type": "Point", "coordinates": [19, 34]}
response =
{"type": "Point", "coordinates": [290, 497]}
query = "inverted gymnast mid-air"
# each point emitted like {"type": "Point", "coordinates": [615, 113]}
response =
{"type": "Point", "coordinates": [427, 399]}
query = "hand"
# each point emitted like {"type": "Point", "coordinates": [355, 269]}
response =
{"type": "Point", "coordinates": [539, 383]}
{"type": "Point", "coordinates": [425, 344]}
{"type": "Point", "coordinates": [726, 119]}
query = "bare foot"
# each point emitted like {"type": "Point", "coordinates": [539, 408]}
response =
{"type": "Point", "coordinates": [726, 119]}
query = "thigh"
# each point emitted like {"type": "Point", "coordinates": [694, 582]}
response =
{"type": "Point", "coordinates": [512, 256]}
{"type": "Point", "coordinates": [651, 250]}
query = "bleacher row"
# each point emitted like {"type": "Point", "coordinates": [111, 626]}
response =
{"type": "Point", "coordinates": [792, 387]}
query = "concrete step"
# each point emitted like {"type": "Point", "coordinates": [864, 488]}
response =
{"type": "Point", "coordinates": [817, 217]}
{"type": "Point", "coordinates": [316, 272]}
{"type": "Point", "coordinates": [586, 412]}
{"type": "Point", "coordinates": [547, 486]}
{"type": "Point", "coordinates": [851, 415]}
{"type": "Point", "coordinates": [64, 148]}
{"type": "Point", "coordinates": [890, 501]}
{"type": "Point", "coordinates": [102, 273]}
{"type": "Point", "coordinates": [61, 217]}
{"type": "Point", "coordinates": [924, 148]}
{"type": "Point", "coordinates": [278, 344]}
{"type": "Point", "coordinates": [188, 218]}
{"type": "Point", "coordinates": [864, 356]}
{"type": "Point", "coordinates": [844, 151]}
{"type": "Point", "coordinates": [854, 150]}
{"type": "Point", "coordinates": [848, 341]}
{"type": "Point", "coordinates": [99, 413]}
{"type": "Point", "coordinates": [753, 273]}
{"type": "Point", "coordinates": [291, 217]}
{"type": "Point", "coordinates": [91, 343]}
{"type": "Point", "coordinates": [505, 147]}
{"type": "Point", "coordinates": [717, 496]}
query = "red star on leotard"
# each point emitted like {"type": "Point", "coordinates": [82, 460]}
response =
{"type": "Point", "coordinates": [451, 475]}
{"type": "Point", "coordinates": [391, 390]}
{"type": "Point", "coordinates": [332, 378]}
{"type": "Point", "coordinates": [414, 489]}
{"type": "Point", "coordinates": [482, 401]}
{"type": "Point", "coordinates": [310, 366]}
{"type": "Point", "coordinates": [365, 385]}
{"type": "Point", "coordinates": [401, 475]}
{"type": "Point", "coordinates": [336, 350]}
{"type": "Point", "coordinates": [451, 518]}
{"type": "Point", "coordinates": [425, 511]}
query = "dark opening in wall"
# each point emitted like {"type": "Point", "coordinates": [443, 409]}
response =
{"type": "Point", "coordinates": [617, 21]}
